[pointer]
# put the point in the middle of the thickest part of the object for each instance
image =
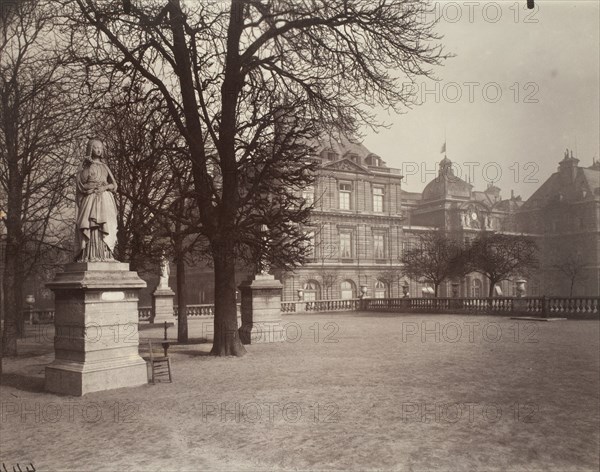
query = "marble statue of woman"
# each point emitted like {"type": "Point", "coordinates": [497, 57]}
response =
{"type": "Point", "coordinates": [165, 270]}
{"type": "Point", "coordinates": [96, 208]}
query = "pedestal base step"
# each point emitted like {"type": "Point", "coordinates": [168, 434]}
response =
{"type": "Point", "coordinates": [77, 379]}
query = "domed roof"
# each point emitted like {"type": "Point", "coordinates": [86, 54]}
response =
{"type": "Point", "coordinates": [446, 184]}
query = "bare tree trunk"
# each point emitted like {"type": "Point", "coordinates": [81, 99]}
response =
{"type": "Point", "coordinates": [182, 325]}
{"type": "Point", "coordinates": [572, 284]}
{"type": "Point", "coordinates": [13, 295]}
{"type": "Point", "coordinates": [491, 291]}
{"type": "Point", "coordinates": [13, 269]}
{"type": "Point", "coordinates": [226, 338]}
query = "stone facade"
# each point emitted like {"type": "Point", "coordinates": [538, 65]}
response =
{"type": "Point", "coordinates": [565, 214]}
{"type": "Point", "coordinates": [363, 221]}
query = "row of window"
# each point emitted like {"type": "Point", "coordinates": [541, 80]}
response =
{"type": "Point", "coordinates": [345, 197]}
{"type": "Point", "coordinates": [312, 290]}
{"type": "Point", "coordinates": [346, 245]}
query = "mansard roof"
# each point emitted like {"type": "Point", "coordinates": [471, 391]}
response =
{"type": "Point", "coordinates": [570, 183]}
{"type": "Point", "coordinates": [342, 146]}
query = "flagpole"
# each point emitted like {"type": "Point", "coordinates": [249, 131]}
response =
{"type": "Point", "coordinates": [445, 142]}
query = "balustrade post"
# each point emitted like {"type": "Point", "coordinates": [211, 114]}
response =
{"type": "Point", "coordinates": [545, 310]}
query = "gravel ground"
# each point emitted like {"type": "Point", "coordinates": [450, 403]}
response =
{"type": "Point", "coordinates": [346, 391]}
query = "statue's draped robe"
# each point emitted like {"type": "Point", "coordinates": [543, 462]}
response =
{"type": "Point", "coordinates": [96, 214]}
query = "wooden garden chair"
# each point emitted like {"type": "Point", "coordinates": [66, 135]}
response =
{"type": "Point", "coordinates": [160, 365]}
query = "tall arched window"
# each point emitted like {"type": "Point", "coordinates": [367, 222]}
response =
{"type": "Point", "coordinates": [380, 289]}
{"type": "Point", "coordinates": [476, 288]}
{"type": "Point", "coordinates": [347, 289]}
{"type": "Point", "coordinates": [312, 290]}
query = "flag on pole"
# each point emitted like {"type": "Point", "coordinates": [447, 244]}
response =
{"type": "Point", "coordinates": [443, 148]}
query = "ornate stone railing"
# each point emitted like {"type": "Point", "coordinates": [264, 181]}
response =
{"type": "Point", "coordinates": [144, 313]}
{"type": "Point", "coordinates": [197, 310]}
{"type": "Point", "coordinates": [351, 304]}
{"type": "Point", "coordinates": [557, 306]}
{"type": "Point", "coordinates": [573, 307]}
{"type": "Point", "coordinates": [40, 316]}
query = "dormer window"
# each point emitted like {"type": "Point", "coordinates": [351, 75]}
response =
{"type": "Point", "coordinates": [373, 160]}
{"type": "Point", "coordinates": [354, 157]}
{"type": "Point", "coordinates": [329, 154]}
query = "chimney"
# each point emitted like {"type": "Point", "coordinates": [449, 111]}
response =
{"type": "Point", "coordinates": [568, 167]}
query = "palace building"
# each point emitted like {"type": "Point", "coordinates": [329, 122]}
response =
{"type": "Point", "coordinates": [363, 221]}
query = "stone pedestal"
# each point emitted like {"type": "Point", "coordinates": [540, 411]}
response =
{"type": "Point", "coordinates": [96, 323]}
{"type": "Point", "coordinates": [162, 306]}
{"type": "Point", "coordinates": [261, 310]}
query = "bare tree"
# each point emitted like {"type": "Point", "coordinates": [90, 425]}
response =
{"type": "Point", "coordinates": [502, 256]}
{"type": "Point", "coordinates": [329, 279]}
{"type": "Point", "coordinates": [437, 257]}
{"type": "Point", "coordinates": [391, 276]}
{"type": "Point", "coordinates": [229, 73]}
{"type": "Point", "coordinates": [39, 121]}
{"type": "Point", "coordinates": [572, 266]}
{"type": "Point", "coordinates": [143, 151]}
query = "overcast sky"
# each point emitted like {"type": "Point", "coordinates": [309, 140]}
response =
{"type": "Point", "coordinates": [547, 73]}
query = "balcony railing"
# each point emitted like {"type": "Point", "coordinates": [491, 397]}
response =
{"type": "Point", "coordinates": [570, 307]}
{"type": "Point", "coordinates": [351, 304]}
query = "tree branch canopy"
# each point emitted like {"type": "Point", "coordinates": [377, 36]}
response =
{"type": "Point", "coordinates": [250, 86]}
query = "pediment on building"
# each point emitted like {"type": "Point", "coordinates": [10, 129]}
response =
{"type": "Point", "coordinates": [347, 165]}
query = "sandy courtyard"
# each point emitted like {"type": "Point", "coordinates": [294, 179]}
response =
{"type": "Point", "coordinates": [347, 391]}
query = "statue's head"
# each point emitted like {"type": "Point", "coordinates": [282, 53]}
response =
{"type": "Point", "coordinates": [95, 148]}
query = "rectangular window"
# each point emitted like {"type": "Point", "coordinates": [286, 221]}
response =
{"type": "Point", "coordinates": [345, 194]}
{"type": "Point", "coordinates": [378, 199]}
{"type": "Point", "coordinates": [308, 195]}
{"type": "Point", "coordinates": [379, 245]}
{"type": "Point", "coordinates": [346, 245]}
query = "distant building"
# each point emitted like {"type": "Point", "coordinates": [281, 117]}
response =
{"type": "Point", "coordinates": [363, 221]}
{"type": "Point", "coordinates": [565, 214]}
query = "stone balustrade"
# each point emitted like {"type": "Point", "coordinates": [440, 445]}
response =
{"type": "Point", "coordinates": [351, 304]}
{"type": "Point", "coordinates": [570, 307]}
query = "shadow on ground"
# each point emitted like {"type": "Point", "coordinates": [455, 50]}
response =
{"type": "Point", "coordinates": [26, 383]}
